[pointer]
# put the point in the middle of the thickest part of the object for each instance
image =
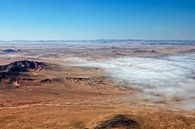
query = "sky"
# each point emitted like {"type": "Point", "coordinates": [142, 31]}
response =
{"type": "Point", "coordinates": [97, 19]}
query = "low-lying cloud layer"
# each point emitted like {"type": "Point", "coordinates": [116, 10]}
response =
{"type": "Point", "coordinates": [170, 76]}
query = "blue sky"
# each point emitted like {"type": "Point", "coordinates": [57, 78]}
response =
{"type": "Point", "coordinates": [97, 19]}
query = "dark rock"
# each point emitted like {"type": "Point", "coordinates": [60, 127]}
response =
{"type": "Point", "coordinates": [11, 50]}
{"type": "Point", "coordinates": [12, 70]}
{"type": "Point", "coordinates": [77, 78]}
{"type": "Point", "coordinates": [153, 51]}
{"type": "Point", "coordinates": [56, 80]}
{"type": "Point", "coordinates": [8, 75]}
{"type": "Point", "coordinates": [119, 122]}
{"type": "Point", "coordinates": [46, 81]}
{"type": "Point", "coordinates": [23, 66]}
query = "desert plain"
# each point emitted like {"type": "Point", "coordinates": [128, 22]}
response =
{"type": "Point", "coordinates": [97, 84]}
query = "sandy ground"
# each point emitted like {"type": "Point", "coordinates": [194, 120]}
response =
{"type": "Point", "coordinates": [83, 97]}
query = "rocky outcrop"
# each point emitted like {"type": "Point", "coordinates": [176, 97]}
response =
{"type": "Point", "coordinates": [119, 122]}
{"type": "Point", "coordinates": [11, 50]}
{"type": "Point", "coordinates": [12, 70]}
{"type": "Point", "coordinates": [48, 81]}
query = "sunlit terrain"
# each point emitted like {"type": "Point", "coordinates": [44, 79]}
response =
{"type": "Point", "coordinates": [97, 84]}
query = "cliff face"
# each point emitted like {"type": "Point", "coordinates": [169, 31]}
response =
{"type": "Point", "coordinates": [12, 70]}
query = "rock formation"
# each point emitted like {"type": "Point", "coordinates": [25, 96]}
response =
{"type": "Point", "coordinates": [12, 70]}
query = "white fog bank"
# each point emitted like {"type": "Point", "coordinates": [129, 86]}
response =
{"type": "Point", "coordinates": [170, 76]}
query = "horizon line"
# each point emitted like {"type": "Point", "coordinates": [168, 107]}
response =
{"type": "Point", "coordinates": [78, 40]}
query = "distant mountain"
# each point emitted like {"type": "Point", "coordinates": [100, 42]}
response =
{"type": "Point", "coordinates": [101, 41]}
{"type": "Point", "coordinates": [11, 50]}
